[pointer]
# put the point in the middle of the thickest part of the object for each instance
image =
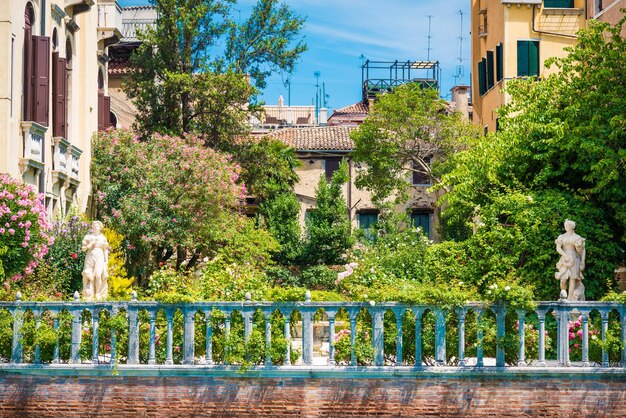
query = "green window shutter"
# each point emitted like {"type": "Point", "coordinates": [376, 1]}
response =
{"type": "Point", "coordinates": [560, 4]}
{"type": "Point", "coordinates": [366, 222]}
{"type": "Point", "coordinates": [533, 58]}
{"type": "Point", "coordinates": [499, 62]}
{"type": "Point", "coordinates": [522, 58]}
{"type": "Point", "coordinates": [422, 221]}
{"type": "Point", "coordinates": [482, 77]}
{"type": "Point", "coordinates": [490, 73]}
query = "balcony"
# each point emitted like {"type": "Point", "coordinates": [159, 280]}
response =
{"type": "Point", "coordinates": [32, 141]}
{"type": "Point", "coordinates": [75, 7]}
{"type": "Point", "coordinates": [109, 22]}
{"type": "Point", "coordinates": [61, 160]}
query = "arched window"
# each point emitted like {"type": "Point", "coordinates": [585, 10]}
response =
{"type": "Point", "coordinates": [29, 20]}
{"type": "Point", "coordinates": [36, 71]}
{"type": "Point", "coordinates": [59, 90]}
{"type": "Point", "coordinates": [68, 86]}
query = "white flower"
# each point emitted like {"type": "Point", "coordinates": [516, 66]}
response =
{"type": "Point", "coordinates": [488, 292]}
{"type": "Point", "coordinates": [594, 337]}
{"type": "Point", "coordinates": [372, 303]}
{"type": "Point", "coordinates": [507, 288]}
{"type": "Point", "coordinates": [460, 283]}
{"type": "Point", "coordinates": [365, 296]}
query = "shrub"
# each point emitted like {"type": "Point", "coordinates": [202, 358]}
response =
{"type": "Point", "coordinates": [318, 278]}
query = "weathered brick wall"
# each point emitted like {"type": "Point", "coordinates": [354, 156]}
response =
{"type": "Point", "coordinates": [43, 396]}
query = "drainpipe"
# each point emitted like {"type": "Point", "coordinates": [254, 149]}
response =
{"type": "Point", "coordinates": [549, 33]}
{"type": "Point", "coordinates": [350, 189]}
{"type": "Point", "coordinates": [43, 17]}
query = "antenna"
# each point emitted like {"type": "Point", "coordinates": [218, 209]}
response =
{"type": "Point", "coordinates": [461, 38]}
{"type": "Point", "coordinates": [317, 74]}
{"type": "Point", "coordinates": [428, 49]}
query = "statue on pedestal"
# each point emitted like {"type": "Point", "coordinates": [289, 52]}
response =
{"type": "Point", "coordinates": [95, 271]}
{"type": "Point", "coordinates": [571, 247]}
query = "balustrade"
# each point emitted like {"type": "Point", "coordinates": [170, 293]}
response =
{"type": "Point", "coordinates": [142, 324]}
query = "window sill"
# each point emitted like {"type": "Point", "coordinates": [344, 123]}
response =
{"type": "Point", "coordinates": [563, 11]}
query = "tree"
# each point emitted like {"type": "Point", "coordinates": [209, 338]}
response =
{"type": "Point", "coordinates": [183, 82]}
{"type": "Point", "coordinates": [328, 227]}
{"type": "Point", "coordinates": [169, 195]}
{"type": "Point", "coordinates": [403, 132]}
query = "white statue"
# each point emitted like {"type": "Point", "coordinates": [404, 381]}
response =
{"type": "Point", "coordinates": [570, 267]}
{"type": "Point", "coordinates": [95, 271]}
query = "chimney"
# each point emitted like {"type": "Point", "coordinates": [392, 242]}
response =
{"type": "Point", "coordinates": [460, 96]}
{"type": "Point", "coordinates": [323, 117]}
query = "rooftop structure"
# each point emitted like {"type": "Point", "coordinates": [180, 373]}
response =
{"type": "Point", "coordinates": [383, 76]}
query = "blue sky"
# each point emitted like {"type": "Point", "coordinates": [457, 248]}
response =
{"type": "Point", "coordinates": [338, 32]}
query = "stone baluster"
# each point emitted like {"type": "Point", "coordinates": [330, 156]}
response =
{"type": "Point", "coordinates": [268, 337]}
{"type": "Point", "coordinates": [247, 314]}
{"type": "Point", "coordinates": [398, 314]}
{"type": "Point", "coordinates": [152, 349]}
{"type": "Point", "coordinates": [169, 358]}
{"type": "Point", "coordinates": [188, 335]}
{"type": "Point", "coordinates": [37, 315]}
{"type": "Point", "coordinates": [461, 314]}
{"type": "Point", "coordinates": [605, 328]}
{"type": "Point", "coordinates": [95, 343]}
{"type": "Point", "coordinates": [440, 337]}
{"type": "Point", "coordinates": [501, 311]}
{"type": "Point", "coordinates": [76, 331]}
{"type": "Point", "coordinates": [55, 326]}
{"type": "Point", "coordinates": [307, 330]}
{"type": "Point", "coordinates": [521, 333]}
{"type": "Point", "coordinates": [133, 331]}
{"type": "Point", "coordinates": [227, 334]}
{"type": "Point", "coordinates": [209, 337]}
{"type": "Point", "coordinates": [479, 337]}
{"type": "Point", "coordinates": [114, 312]}
{"type": "Point", "coordinates": [331, 335]}
{"type": "Point", "coordinates": [418, 336]}
{"type": "Point", "coordinates": [353, 314]}
{"type": "Point", "coordinates": [378, 336]}
{"type": "Point", "coordinates": [585, 329]}
{"type": "Point", "coordinates": [18, 322]}
{"type": "Point", "coordinates": [541, 315]}
{"type": "Point", "coordinates": [287, 316]}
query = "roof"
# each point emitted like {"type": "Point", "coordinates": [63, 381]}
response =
{"type": "Point", "coordinates": [359, 107]}
{"type": "Point", "coordinates": [317, 138]}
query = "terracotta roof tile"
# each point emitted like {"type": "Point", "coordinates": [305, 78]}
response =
{"type": "Point", "coordinates": [359, 107]}
{"type": "Point", "coordinates": [318, 138]}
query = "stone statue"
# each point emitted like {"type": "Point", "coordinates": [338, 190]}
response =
{"type": "Point", "coordinates": [95, 271]}
{"type": "Point", "coordinates": [570, 267]}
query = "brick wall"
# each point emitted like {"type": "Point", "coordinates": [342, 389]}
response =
{"type": "Point", "coordinates": [41, 396]}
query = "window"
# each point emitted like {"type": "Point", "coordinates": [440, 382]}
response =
{"type": "Point", "coordinates": [499, 63]}
{"type": "Point", "coordinates": [367, 221]}
{"type": "Point", "coordinates": [104, 105]}
{"type": "Point", "coordinates": [419, 177]}
{"type": "Point", "coordinates": [559, 4]}
{"type": "Point", "coordinates": [330, 166]}
{"type": "Point", "coordinates": [482, 79]}
{"type": "Point", "coordinates": [59, 91]}
{"type": "Point", "coordinates": [490, 73]}
{"type": "Point", "coordinates": [421, 219]}
{"type": "Point", "coordinates": [527, 58]}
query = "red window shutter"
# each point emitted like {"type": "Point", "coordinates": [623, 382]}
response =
{"type": "Point", "coordinates": [28, 76]}
{"type": "Point", "coordinates": [106, 112]}
{"type": "Point", "coordinates": [59, 81]}
{"type": "Point", "coordinates": [41, 71]}
{"type": "Point", "coordinates": [101, 125]}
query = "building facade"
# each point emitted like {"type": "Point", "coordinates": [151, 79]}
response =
{"type": "Point", "coordinates": [514, 38]}
{"type": "Point", "coordinates": [53, 89]}
{"type": "Point", "coordinates": [609, 11]}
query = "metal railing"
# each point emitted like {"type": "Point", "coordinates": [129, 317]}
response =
{"type": "Point", "coordinates": [144, 323]}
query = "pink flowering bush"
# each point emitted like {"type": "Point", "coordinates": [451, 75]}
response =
{"type": "Point", "coordinates": [169, 196]}
{"type": "Point", "coordinates": [24, 229]}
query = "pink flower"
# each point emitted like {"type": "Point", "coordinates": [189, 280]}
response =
{"type": "Point", "coordinates": [74, 256]}
{"type": "Point", "coordinates": [11, 231]}
{"type": "Point", "coordinates": [572, 335]}
{"type": "Point", "coordinates": [576, 345]}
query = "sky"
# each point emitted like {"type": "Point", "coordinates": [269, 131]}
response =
{"type": "Point", "coordinates": [341, 33]}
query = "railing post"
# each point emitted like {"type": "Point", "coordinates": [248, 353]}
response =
{"type": "Point", "coordinates": [440, 337]}
{"type": "Point", "coordinates": [461, 314]}
{"type": "Point", "coordinates": [76, 331]}
{"type": "Point", "coordinates": [37, 313]}
{"type": "Point", "coordinates": [418, 336]}
{"type": "Point", "coordinates": [169, 314]}
{"type": "Point", "coordinates": [114, 312]}
{"type": "Point", "coordinates": [247, 313]}
{"type": "Point", "coordinates": [353, 314]}
{"type": "Point", "coordinates": [541, 315]}
{"type": "Point", "coordinates": [287, 315]}
{"type": "Point", "coordinates": [378, 338]}
{"type": "Point", "coordinates": [227, 318]}
{"type": "Point", "coordinates": [563, 333]}
{"type": "Point", "coordinates": [307, 331]}
{"type": "Point", "coordinates": [331, 336]}
{"type": "Point", "coordinates": [18, 322]}
{"type": "Point", "coordinates": [133, 331]}
{"type": "Point", "coordinates": [95, 343]}
{"type": "Point", "coordinates": [479, 337]}
{"type": "Point", "coordinates": [209, 337]}
{"type": "Point", "coordinates": [521, 317]}
{"type": "Point", "coordinates": [152, 349]}
{"type": "Point", "coordinates": [398, 314]}
{"type": "Point", "coordinates": [55, 326]}
{"type": "Point", "coordinates": [501, 311]}
{"type": "Point", "coordinates": [585, 329]}
{"type": "Point", "coordinates": [188, 335]}
{"type": "Point", "coordinates": [605, 328]}
{"type": "Point", "coordinates": [268, 337]}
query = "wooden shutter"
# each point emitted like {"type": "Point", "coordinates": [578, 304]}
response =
{"type": "Point", "coordinates": [522, 58]}
{"type": "Point", "coordinates": [41, 71]}
{"type": "Point", "coordinates": [59, 89]}
{"type": "Point", "coordinates": [562, 4]}
{"type": "Point", "coordinates": [29, 81]}
{"type": "Point", "coordinates": [331, 165]}
{"type": "Point", "coordinates": [499, 62]}
{"type": "Point", "coordinates": [104, 111]}
{"type": "Point", "coordinates": [490, 72]}
{"type": "Point", "coordinates": [533, 58]}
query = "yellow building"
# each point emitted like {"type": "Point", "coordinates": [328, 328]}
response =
{"type": "Point", "coordinates": [513, 39]}
{"type": "Point", "coordinates": [53, 89]}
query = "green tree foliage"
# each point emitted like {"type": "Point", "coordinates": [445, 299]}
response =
{"type": "Point", "coordinates": [328, 234]}
{"type": "Point", "coordinates": [184, 80]}
{"type": "Point", "coordinates": [170, 196]}
{"type": "Point", "coordinates": [402, 133]}
{"type": "Point", "coordinates": [560, 154]}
